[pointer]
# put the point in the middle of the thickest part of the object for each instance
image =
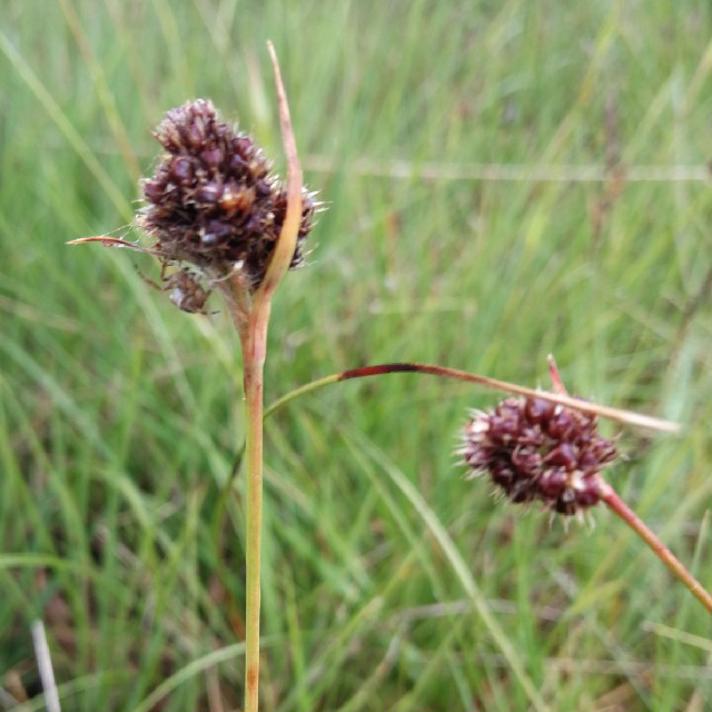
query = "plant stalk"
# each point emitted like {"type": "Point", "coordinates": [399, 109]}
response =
{"type": "Point", "coordinates": [381, 369]}
{"type": "Point", "coordinates": [252, 320]}
{"type": "Point", "coordinates": [254, 347]}
{"type": "Point", "coordinates": [677, 568]}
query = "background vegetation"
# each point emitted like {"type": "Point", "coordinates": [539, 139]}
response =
{"type": "Point", "coordinates": [586, 234]}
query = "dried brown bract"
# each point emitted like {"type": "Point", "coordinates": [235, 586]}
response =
{"type": "Point", "coordinates": [535, 450]}
{"type": "Point", "coordinates": [213, 201]}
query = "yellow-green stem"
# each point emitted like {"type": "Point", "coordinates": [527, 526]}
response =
{"type": "Point", "coordinates": [252, 321]}
{"type": "Point", "coordinates": [302, 390]}
{"type": "Point", "coordinates": [254, 349]}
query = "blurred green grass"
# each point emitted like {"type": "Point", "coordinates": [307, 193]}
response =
{"type": "Point", "coordinates": [119, 415]}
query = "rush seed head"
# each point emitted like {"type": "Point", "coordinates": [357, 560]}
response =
{"type": "Point", "coordinates": [213, 201]}
{"type": "Point", "coordinates": [534, 450]}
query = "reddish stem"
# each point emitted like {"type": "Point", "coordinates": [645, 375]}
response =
{"type": "Point", "coordinates": [559, 397]}
{"type": "Point", "coordinates": [619, 507]}
{"type": "Point", "coordinates": [556, 382]}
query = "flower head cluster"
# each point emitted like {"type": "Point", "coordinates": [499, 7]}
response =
{"type": "Point", "coordinates": [213, 201]}
{"type": "Point", "coordinates": [535, 450]}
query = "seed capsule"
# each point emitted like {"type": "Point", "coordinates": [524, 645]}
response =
{"type": "Point", "coordinates": [237, 199]}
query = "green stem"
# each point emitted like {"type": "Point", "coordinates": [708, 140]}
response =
{"type": "Point", "coordinates": [254, 350]}
{"type": "Point", "coordinates": [301, 391]}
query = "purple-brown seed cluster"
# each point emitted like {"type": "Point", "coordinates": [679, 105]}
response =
{"type": "Point", "coordinates": [213, 201]}
{"type": "Point", "coordinates": [535, 450]}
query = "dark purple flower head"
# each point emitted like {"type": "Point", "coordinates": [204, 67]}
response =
{"type": "Point", "coordinates": [535, 450]}
{"type": "Point", "coordinates": [213, 201]}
